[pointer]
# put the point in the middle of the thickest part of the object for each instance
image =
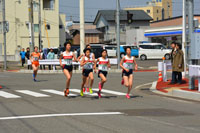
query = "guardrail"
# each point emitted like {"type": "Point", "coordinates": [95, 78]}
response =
{"type": "Point", "coordinates": [55, 62]}
{"type": "Point", "coordinates": [194, 71]}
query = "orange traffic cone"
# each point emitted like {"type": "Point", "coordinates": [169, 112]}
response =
{"type": "Point", "coordinates": [160, 77]}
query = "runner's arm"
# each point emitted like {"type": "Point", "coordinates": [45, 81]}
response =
{"type": "Point", "coordinates": [60, 59]}
{"type": "Point", "coordinates": [136, 66]}
{"type": "Point", "coordinates": [95, 64]}
{"type": "Point", "coordinates": [121, 64]}
{"type": "Point", "coordinates": [75, 59]}
{"type": "Point", "coordinates": [80, 57]}
{"type": "Point", "coordinates": [83, 62]}
{"type": "Point", "coordinates": [109, 66]}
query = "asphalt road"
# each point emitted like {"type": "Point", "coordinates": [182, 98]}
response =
{"type": "Point", "coordinates": [143, 113]}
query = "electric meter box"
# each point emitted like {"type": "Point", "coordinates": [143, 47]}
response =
{"type": "Point", "coordinates": [195, 46]}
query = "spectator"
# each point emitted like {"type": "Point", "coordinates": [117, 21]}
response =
{"type": "Point", "coordinates": [173, 52]}
{"type": "Point", "coordinates": [23, 56]}
{"type": "Point", "coordinates": [50, 56]}
{"type": "Point", "coordinates": [28, 56]}
{"type": "Point", "coordinates": [42, 57]}
{"type": "Point", "coordinates": [178, 63]}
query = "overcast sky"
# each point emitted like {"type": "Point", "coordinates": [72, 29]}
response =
{"type": "Point", "coordinates": [71, 7]}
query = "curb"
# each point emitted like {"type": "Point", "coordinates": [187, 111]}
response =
{"type": "Point", "coordinates": [176, 93]}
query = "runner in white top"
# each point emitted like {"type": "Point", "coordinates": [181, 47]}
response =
{"type": "Point", "coordinates": [88, 66]}
{"type": "Point", "coordinates": [67, 66]}
{"type": "Point", "coordinates": [92, 57]}
{"type": "Point", "coordinates": [104, 64]}
{"type": "Point", "coordinates": [127, 65]}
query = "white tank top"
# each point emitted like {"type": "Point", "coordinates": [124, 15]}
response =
{"type": "Point", "coordinates": [128, 62]}
{"type": "Point", "coordinates": [68, 58]}
{"type": "Point", "coordinates": [88, 65]}
{"type": "Point", "coordinates": [103, 64]}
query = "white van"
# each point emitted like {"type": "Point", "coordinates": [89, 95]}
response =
{"type": "Point", "coordinates": [153, 51]}
{"type": "Point", "coordinates": [111, 49]}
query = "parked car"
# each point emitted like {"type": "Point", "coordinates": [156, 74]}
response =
{"type": "Point", "coordinates": [153, 51]}
{"type": "Point", "coordinates": [134, 50]}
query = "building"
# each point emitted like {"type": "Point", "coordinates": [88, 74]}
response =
{"type": "Point", "coordinates": [157, 9]}
{"type": "Point", "coordinates": [166, 31]}
{"type": "Point", "coordinates": [91, 36]}
{"type": "Point", "coordinates": [17, 15]}
{"type": "Point", "coordinates": [105, 22]}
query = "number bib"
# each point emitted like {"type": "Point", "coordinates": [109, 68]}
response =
{"type": "Point", "coordinates": [35, 58]}
{"type": "Point", "coordinates": [68, 58]}
{"type": "Point", "coordinates": [128, 62]}
{"type": "Point", "coordinates": [103, 64]}
{"type": "Point", "coordinates": [88, 65]}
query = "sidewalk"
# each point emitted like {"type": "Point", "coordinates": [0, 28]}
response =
{"type": "Point", "coordinates": [179, 91]}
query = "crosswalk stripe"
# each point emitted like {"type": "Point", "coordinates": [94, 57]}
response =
{"type": "Point", "coordinates": [31, 93]}
{"type": "Point", "coordinates": [58, 92]}
{"type": "Point", "coordinates": [111, 92]}
{"type": "Point", "coordinates": [8, 95]}
{"type": "Point", "coordinates": [87, 93]}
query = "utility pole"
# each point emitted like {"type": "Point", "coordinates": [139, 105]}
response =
{"type": "Point", "coordinates": [184, 37]}
{"type": "Point", "coordinates": [191, 32]}
{"type": "Point", "coordinates": [31, 25]}
{"type": "Point", "coordinates": [4, 32]}
{"type": "Point", "coordinates": [118, 33]}
{"type": "Point", "coordinates": [82, 27]}
{"type": "Point", "coordinates": [40, 25]}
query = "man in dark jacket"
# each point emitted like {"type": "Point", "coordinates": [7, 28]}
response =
{"type": "Point", "coordinates": [28, 56]}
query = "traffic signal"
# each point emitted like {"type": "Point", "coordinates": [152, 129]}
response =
{"type": "Point", "coordinates": [129, 17]}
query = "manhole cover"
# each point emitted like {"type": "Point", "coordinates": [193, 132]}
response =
{"type": "Point", "coordinates": [153, 112]}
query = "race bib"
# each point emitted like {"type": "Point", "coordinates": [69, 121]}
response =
{"type": "Point", "coordinates": [103, 67]}
{"type": "Point", "coordinates": [128, 65]}
{"type": "Point", "coordinates": [36, 58]}
{"type": "Point", "coordinates": [68, 61]}
{"type": "Point", "coordinates": [88, 66]}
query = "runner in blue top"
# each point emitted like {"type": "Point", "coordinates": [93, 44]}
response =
{"type": "Point", "coordinates": [23, 56]}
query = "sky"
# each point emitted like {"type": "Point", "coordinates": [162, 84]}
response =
{"type": "Point", "coordinates": [71, 7]}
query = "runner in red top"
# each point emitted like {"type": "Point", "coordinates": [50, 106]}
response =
{"type": "Point", "coordinates": [104, 64]}
{"type": "Point", "coordinates": [127, 65]}
{"type": "Point", "coordinates": [34, 58]}
{"type": "Point", "coordinates": [67, 66]}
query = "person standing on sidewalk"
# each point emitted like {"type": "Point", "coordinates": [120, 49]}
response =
{"type": "Point", "coordinates": [173, 52]}
{"type": "Point", "coordinates": [28, 56]}
{"type": "Point", "coordinates": [178, 63]}
{"type": "Point", "coordinates": [50, 56]}
{"type": "Point", "coordinates": [23, 57]}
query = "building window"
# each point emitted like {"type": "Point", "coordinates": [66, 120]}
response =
{"type": "Point", "coordinates": [148, 11]}
{"type": "Point", "coordinates": [49, 4]}
{"type": "Point", "coordinates": [36, 27]}
{"type": "Point", "coordinates": [157, 11]}
{"type": "Point", "coordinates": [48, 27]}
{"type": "Point", "coordinates": [157, 18]}
{"type": "Point", "coordinates": [60, 26]}
{"type": "Point", "coordinates": [35, 7]}
{"type": "Point", "coordinates": [0, 5]}
{"type": "Point", "coordinates": [1, 27]}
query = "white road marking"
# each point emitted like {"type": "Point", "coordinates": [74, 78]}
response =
{"type": "Point", "coordinates": [58, 115]}
{"type": "Point", "coordinates": [111, 92]}
{"type": "Point", "coordinates": [78, 91]}
{"type": "Point", "coordinates": [139, 86]}
{"type": "Point", "coordinates": [8, 95]}
{"type": "Point", "coordinates": [31, 93]}
{"type": "Point", "coordinates": [58, 92]}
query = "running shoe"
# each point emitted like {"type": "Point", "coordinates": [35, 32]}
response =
{"type": "Point", "coordinates": [91, 91]}
{"type": "Point", "coordinates": [84, 89]}
{"type": "Point", "coordinates": [127, 96]}
{"type": "Point", "coordinates": [88, 90]}
{"type": "Point", "coordinates": [33, 76]}
{"type": "Point", "coordinates": [100, 86]}
{"type": "Point", "coordinates": [99, 94]}
{"type": "Point", "coordinates": [65, 92]}
{"type": "Point", "coordinates": [81, 93]}
{"type": "Point", "coordinates": [122, 82]}
{"type": "Point", "coordinates": [34, 80]}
